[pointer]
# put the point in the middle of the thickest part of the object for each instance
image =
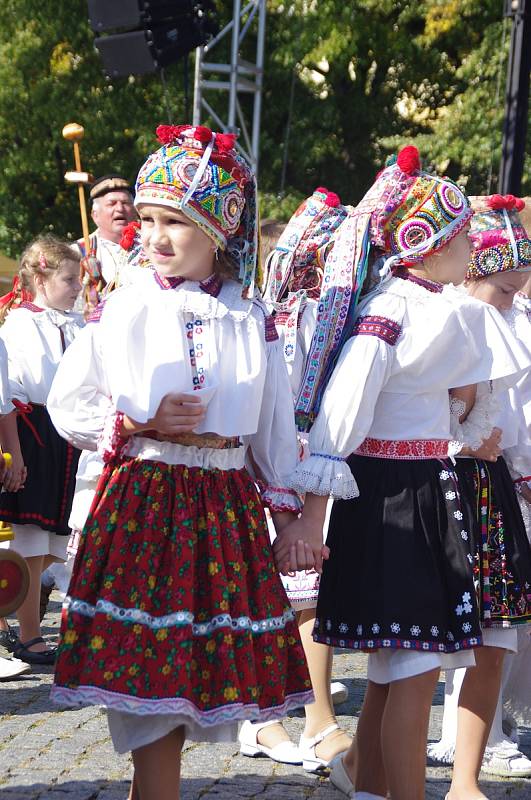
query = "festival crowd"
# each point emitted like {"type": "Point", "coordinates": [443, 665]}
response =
{"type": "Point", "coordinates": [235, 450]}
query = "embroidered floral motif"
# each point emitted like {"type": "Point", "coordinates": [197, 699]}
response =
{"type": "Point", "coordinates": [385, 329]}
{"type": "Point", "coordinates": [175, 604]}
{"type": "Point", "coordinates": [407, 449]}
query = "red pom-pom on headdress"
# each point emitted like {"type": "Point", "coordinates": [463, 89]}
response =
{"type": "Point", "coordinates": [225, 142]}
{"type": "Point", "coordinates": [331, 199]}
{"type": "Point", "coordinates": [167, 134]}
{"type": "Point", "coordinates": [499, 201]}
{"type": "Point", "coordinates": [128, 235]}
{"type": "Point", "coordinates": [408, 159]}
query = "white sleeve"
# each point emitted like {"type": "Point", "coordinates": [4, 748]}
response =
{"type": "Point", "coordinates": [518, 457]}
{"type": "Point", "coordinates": [6, 406]}
{"type": "Point", "coordinates": [274, 446]}
{"type": "Point", "coordinates": [79, 401]}
{"type": "Point", "coordinates": [345, 418]}
{"type": "Point", "coordinates": [480, 421]}
{"type": "Point", "coordinates": [14, 336]}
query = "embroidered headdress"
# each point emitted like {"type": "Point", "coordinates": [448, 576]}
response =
{"type": "Point", "coordinates": [414, 214]}
{"type": "Point", "coordinates": [406, 215]}
{"type": "Point", "coordinates": [296, 265]}
{"type": "Point", "coordinates": [499, 237]}
{"type": "Point", "coordinates": [199, 173]}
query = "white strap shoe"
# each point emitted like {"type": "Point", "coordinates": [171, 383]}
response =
{"type": "Point", "coordinates": [285, 752]}
{"type": "Point", "coordinates": [341, 780]}
{"type": "Point", "coordinates": [310, 760]}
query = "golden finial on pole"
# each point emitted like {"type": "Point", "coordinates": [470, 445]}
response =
{"type": "Point", "coordinates": [73, 132]}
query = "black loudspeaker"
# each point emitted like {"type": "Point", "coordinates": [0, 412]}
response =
{"type": "Point", "coordinates": [149, 34]}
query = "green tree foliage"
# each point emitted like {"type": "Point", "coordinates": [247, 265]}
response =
{"type": "Point", "coordinates": [366, 76]}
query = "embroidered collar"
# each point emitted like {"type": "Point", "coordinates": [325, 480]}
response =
{"type": "Point", "coordinates": [29, 306]}
{"type": "Point", "coordinates": [211, 285]}
{"type": "Point", "coordinates": [406, 275]}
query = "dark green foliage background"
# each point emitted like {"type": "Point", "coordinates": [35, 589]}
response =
{"type": "Point", "coordinates": [369, 75]}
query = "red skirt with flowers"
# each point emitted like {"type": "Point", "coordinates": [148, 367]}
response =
{"type": "Point", "coordinates": [175, 605]}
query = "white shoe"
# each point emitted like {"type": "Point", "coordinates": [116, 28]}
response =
{"type": "Point", "coordinates": [340, 779]}
{"type": "Point", "coordinates": [506, 761]}
{"type": "Point", "coordinates": [11, 668]}
{"type": "Point", "coordinates": [285, 752]}
{"type": "Point", "coordinates": [339, 692]}
{"type": "Point", "coordinates": [310, 761]}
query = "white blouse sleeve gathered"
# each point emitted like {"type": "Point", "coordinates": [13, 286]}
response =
{"type": "Point", "coordinates": [6, 406]}
{"type": "Point", "coordinates": [79, 401]}
{"type": "Point", "coordinates": [275, 424]}
{"type": "Point", "coordinates": [480, 422]}
{"type": "Point", "coordinates": [345, 418]}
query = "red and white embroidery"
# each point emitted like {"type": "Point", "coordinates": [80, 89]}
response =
{"type": "Point", "coordinates": [411, 449]}
{"type": "Point", "coordinates": [381, 327]}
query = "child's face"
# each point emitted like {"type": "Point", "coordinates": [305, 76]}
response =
{"type": "Point", "coordinates": [449, 265]}
{"type": "Point", "coordinates": [174, 244]}
{"type": "Point", "coordinates": [497, 290]}
{"type": "Point", "coordinates": [61, 288]}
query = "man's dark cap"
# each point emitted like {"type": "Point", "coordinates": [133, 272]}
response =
{"type": "Point", "coordinates": [110, 183]}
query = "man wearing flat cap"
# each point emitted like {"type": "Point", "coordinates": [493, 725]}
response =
{"type": "Point", "coordinates": [112, 210]}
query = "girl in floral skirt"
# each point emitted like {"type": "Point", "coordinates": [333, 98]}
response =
{"type": "Point", "coordinates": [176, 620]}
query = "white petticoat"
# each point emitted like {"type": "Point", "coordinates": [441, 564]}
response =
{"type": "Point", "coordinates": [387, 665]}
{"type": "Point", "coordinates": [131, 731]}
{"type": "Point", "coordinates": [31, 540]}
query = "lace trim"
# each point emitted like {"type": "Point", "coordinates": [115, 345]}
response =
{"type": "Point", "coordinates": [325, 475]}
{"type": "Point", "coordinates": [278, 499]}
{"type": "Point", "coordinates": [479, 424]}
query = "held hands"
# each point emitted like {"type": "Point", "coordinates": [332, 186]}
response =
{"type": "Point", "coordinates": [13, 472]}
{"type": "Point", "coordinates": [490, 450]}
{"type": "Point", "coordinates": [299, 546]}
{"type": "Point", "coordinates": [525, 491]}
{"type": "Point", "coordinates": [177, 413]}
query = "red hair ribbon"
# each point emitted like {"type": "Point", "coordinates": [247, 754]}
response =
{"type": "Point", "coordinates": [16, 293]}
{"type": "Point", "coordinates": [23, 411]}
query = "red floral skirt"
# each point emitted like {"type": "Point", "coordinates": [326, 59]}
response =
{"type": "Point", "coordinates": [175, 605]}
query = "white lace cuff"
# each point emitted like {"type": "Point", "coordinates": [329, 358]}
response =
{"type": "Point", "coordinates": [479, 424]}
{"type": "Point", "coordinates": [325, 475]}
{"type": "Point", "coordinates": [111, 443]}
{"type": "Point", "coordinates": [281, 499]}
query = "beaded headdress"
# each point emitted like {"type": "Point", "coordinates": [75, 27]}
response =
{"type": "Point", "coordinates": [295, 267]}
{"type": "Point", "coordinates": [415, 214]}
{"type": "Point", "coordinates": [500, 241]}
{"type": "Point", "coordinates": [199, 173]}
{"type": "Point", "coordinates": [406, 215]}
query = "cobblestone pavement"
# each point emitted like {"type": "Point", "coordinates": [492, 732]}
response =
{"type": "Point", "coordinates": [46, 752]}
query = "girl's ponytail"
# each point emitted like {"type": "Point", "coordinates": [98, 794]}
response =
{"type": "Point", "coordinates": [18, 294]}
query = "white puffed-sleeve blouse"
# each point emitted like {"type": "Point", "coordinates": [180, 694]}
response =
{"type": "Point", "coordinates": [412, 341]}
{"type": "Point", "coordinates": [155, 338]}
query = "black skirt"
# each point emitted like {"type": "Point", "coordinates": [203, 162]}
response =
{"type": "Point", "coordinates": [46, 499]}
{"type": "Point", "coordinates": [502, 554]}
{"type": "Point", "coordinates": [400, 568]}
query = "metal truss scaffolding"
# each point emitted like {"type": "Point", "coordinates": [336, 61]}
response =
{"type": "Point", "coordinates": [237, 77]}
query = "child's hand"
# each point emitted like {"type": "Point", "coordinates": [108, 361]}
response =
{"type": "Point", "coordinates": [525, 491]}
{"type": "Point", "coordinates": [299, 546]}
{"type": "Point", "coordinates": [490, 450]}
{"type": "Point", "coordinates": [178, 413]}
{"type": "Point", "coordinates": [14, 473]}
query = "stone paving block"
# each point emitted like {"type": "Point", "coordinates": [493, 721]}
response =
{"type": "Point", "coordinates": [40, 779]}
